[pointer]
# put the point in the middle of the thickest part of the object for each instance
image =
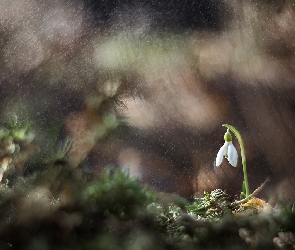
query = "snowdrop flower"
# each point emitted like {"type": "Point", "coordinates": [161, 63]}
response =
{"type": "Point", "coordinates": [228, 150]}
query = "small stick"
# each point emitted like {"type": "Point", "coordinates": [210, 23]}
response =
{"type": "Point", "coordinates": [257, 190]}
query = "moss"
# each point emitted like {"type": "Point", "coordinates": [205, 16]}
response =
{"type": "Point", "coordinates": [115, 211]}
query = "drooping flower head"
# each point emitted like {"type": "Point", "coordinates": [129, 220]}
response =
{"type": "Point", "coordinates": [228, 150]}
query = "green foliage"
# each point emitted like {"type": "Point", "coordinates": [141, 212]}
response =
{"type": "Point", "coordinates": [286, 215]}
{"type": "Point", "coordinates": [59, 156]}
{"type": "Point", "coordinates": [18, 130]}
{"type": "Point", "coordinates": [168, 218]}
{"type": "Point", "coordinates": [116, 193]}
{"type": "Point", "coordinates": [115, 211]}
{"type": "Point", "coordinates": [212, 206]}
{"type": "Point", "coordinates": [13, 134]}
{"type": "Point", "coordinates": [15, 147]}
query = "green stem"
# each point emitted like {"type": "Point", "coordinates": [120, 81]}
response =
{"type": "Point", "coordinates": [240, 140]}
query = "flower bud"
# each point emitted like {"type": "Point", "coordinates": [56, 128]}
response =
{"type": "Point", "coordinates": [227, 136]}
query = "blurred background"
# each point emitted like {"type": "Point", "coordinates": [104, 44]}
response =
{"type": "Point", "coordinates": [148, 84]}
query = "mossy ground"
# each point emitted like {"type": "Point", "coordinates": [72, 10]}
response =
{"type": "Point", "coordinates": [115, 211]}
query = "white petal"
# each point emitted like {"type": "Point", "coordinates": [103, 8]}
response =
{"type": "Point", "coordinates": [232, 155]}
{"type": "Point", "coordinates": [221, 153]}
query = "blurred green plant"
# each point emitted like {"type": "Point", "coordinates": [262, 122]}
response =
{"type": "Point", "coordinates": [20, 130]}
{"type": "Point", "coordinates": [116, 193]}
{"type": "Point", "coordinates": [15, 136]}
{"type": "Point", "coordinates": [60, 154]}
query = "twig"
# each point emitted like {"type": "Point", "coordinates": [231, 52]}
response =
{"type": "Point", "coordinates": [257, 190]}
